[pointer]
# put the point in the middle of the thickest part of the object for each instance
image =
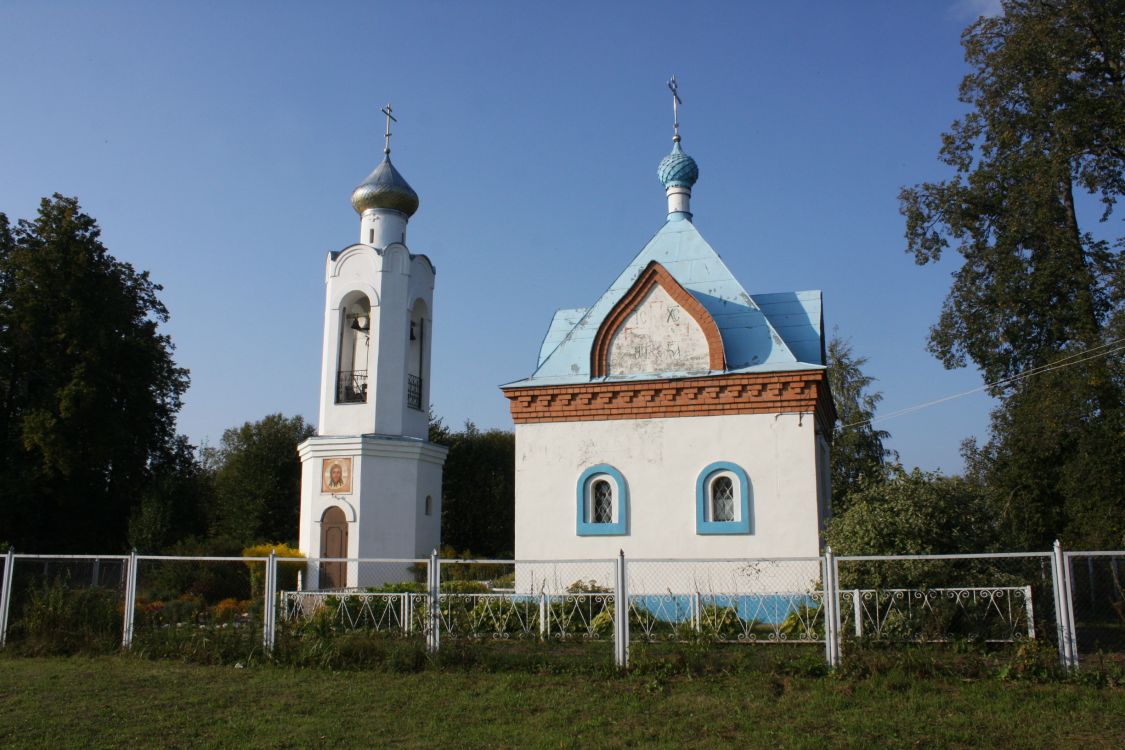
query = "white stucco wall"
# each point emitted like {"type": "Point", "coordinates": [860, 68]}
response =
{"type": "Point", "coordinates": [660, 460]}
{"type": "Point", "coordinates": [386, 508]}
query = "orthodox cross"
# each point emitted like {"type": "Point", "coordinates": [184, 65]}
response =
{"type": "Point", "coordinates": [387, 136]}
{"type": "Point", "coordinates": [676, 102]}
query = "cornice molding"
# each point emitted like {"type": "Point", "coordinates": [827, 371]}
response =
{"type": "Point", "coordinates": [761, 393]}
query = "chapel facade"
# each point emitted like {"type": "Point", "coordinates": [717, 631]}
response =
{"type": "Point", "coordinates": [678, 416]}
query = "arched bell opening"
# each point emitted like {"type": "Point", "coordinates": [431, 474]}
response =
{"type": "Point", "coordinates": [355, 350]}
{"type": "Point", "coordinates": [415, 365]}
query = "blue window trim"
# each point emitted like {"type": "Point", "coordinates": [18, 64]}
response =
{"type": "Point", "coordinates": [742, 525]}
{"type": "Point", "coordinates": [620, 496]}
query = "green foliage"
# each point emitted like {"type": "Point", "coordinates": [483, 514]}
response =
{"type": "Point", "coordinates": [258, 480]}
{"type": "Point", "coordinates": [1038, 288]}
{"type": "Point", "coordinates": [722, 622]}
{"type": "Point", "coordinates": [805, 622]}
{"type": "Point", "coordinates": [88, 387]}
{"type": "Point", "coordinates": [858, 454]}
{"type": "Point", "coordinates": [173, 505]}
{"type": "Point", "coordinates": [402, 587]}
{"type": "Point", "coordinates": [492, 573]}
{"type": "Point", "coordinates": [200, 645]}
{"type": "Point", "coordinates": [58, 618]}
{"type": "Point", "coordinates": [286, 572]}
{"type": "Point", "coordinates": [587, 587]}
{"type": "Point", "coordinates": [212, 581]}
{"type": "Point", "coordinates": [478, 489]}
{"type": "Point", "coordinates": [914, 513]}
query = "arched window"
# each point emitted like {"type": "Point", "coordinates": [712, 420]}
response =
{"type": "Point", "coordinates": [603, 502]}
{"type": "Point", "coordinates": [722, 500]}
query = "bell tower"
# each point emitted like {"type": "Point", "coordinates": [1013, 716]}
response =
{"type": "Point", "coordinates": [370, 481]}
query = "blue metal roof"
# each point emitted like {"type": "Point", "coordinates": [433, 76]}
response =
{"type": "Point", "coordinates": [762, 333]}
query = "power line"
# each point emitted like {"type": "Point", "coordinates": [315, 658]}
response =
{"type": "Point", "coordinates": [1059, 364]}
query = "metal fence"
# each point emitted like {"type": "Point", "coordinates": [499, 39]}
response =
{"type": "Point", "coordinates": [1074, 600]}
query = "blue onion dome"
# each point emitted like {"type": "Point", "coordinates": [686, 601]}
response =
{"type": "Point", "coordinates": [677, 168]}
{"type": "Point", "coordinates": [385, 188]}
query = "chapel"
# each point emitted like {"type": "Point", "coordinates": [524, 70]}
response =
{"type": "Point", "coordinates": [678, 416]}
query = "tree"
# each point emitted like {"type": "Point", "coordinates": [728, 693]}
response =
{"type": "Point", "coordinates": [913, 513]}
{"type": "Point", "coordinates": [173, 506]}
{"type": "Point", "coordinates": [478, 490]}
{"type": "Point", "coordinates": [257, 481]}
{"type": "Point", "coordinates": [858, 453]}
{"type": "Point", "coordinates": [1039, 301]}
{"type": "Point", "coordinates": [88, 387]}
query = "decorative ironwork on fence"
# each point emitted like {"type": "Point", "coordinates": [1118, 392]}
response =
{"type": "Point", "coordinates": [1075, 599]}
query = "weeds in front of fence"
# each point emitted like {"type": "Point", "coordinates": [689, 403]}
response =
{"type": "Point", "coordinates": [59, 619]}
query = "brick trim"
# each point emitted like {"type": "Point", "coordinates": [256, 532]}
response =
{"type": "Point", "coordinates": [759, 393]}
{"type": "Point", "coordinates": [654, 274]}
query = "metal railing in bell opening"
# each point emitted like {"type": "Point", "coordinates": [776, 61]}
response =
{"type": "Point", "coordinates": [414, 392]}
{"type": "Point", "coordinates": [351, 387]}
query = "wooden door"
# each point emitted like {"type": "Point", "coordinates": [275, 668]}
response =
{"type": "Point", "coordinates": [333, 543]}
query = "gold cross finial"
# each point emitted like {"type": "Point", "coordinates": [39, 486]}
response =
{"type": "Point", "coordinates": [676, 102]}
{"type": "Point", "coordinates": [387, 136]}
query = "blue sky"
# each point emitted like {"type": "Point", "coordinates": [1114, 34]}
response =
{"type": "Point", "coordinates": [217, 144]}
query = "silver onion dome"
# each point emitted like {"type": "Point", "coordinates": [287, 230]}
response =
{"type": "Point", "coordinates": [385, 188]}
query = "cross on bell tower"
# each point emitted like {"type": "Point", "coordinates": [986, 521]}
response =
{"type": "Point", "coordinates": [387, 136]}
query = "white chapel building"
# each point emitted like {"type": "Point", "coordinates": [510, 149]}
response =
{"type": "Point", "coordinates": [678, 416]}
{"type": "Point", "coordinates": [370, 480]}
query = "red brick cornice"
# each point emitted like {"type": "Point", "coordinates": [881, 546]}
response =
{"type": "Point", "coordinates": [758, 393]}
{"type": "Point", "coordinates": [653, 275]}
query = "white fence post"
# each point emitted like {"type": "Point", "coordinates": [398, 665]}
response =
{"type": "Point", "coordinates": [1030, 611]}
{"type": "Point", "coordinates": [6, 595]}
{"type": "Point", "coordinates": [621, 615]}
{"type": "Point", "coordinates": [130, 601]}
{"type": "Point", "coordinates": [544, 624]}
{"type": "Point", "coordinates": [269, 609]}
{"type": "Point", "coordinates": [1068, 588]}
{"type": "Point", "coordinates": [1063, 618]}
{"type": "Point", "coordinates": [433, 613]}
{"type": "Point", "coordinates": [857, 613]}
{"type": "Point", "coordinates": [831, 603]}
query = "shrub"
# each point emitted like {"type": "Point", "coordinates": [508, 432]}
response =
{"type": "Point", "coordinates": [213, 581]}
{"type": "Point", "coordinates": [58, 619]}
{"type": "Point", "coordinates": [286, 573]}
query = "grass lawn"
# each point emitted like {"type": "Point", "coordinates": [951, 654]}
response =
{"type": "Point", "coordinates": [126, 702]}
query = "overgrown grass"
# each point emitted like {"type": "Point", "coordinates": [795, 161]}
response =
{"type": "Point", "coordinates": [120, 702]}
